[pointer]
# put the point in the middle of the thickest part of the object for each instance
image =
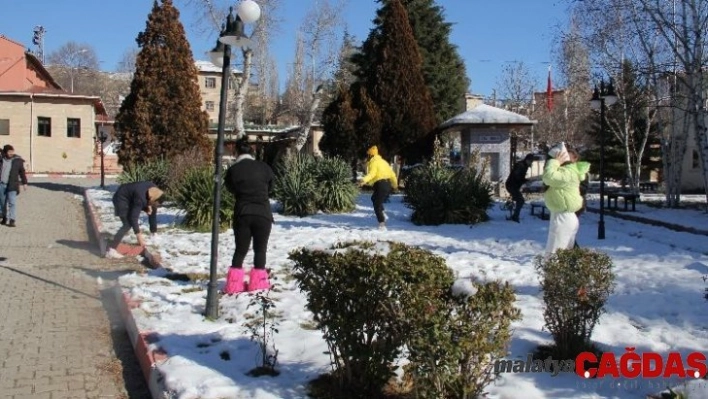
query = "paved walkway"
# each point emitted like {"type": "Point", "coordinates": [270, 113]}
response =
{"type": "Point", "coordinates": [60, 331]}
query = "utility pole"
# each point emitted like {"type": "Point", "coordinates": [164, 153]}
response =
{"type": "Point", "coordinates": [38, 40]}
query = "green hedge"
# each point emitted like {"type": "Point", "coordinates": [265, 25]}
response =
{"type": "Point", "coordinates": [373, 301]}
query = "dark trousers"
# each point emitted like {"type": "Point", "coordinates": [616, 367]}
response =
{"type": "Point", "coordinates": [122, 231]}
{"type": "Point", "coordinates": [249, 228]}
{"type": "Point", "coordinates": [517, 197]}
{"type": "Point", "coordinates": [152, 219]}
{"type": "Point", "coordinates": [382, 189]}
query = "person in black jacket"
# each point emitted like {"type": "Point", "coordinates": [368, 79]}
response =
{"type": "Point", "coordinates": [516, 179]}
{"type": "Point", "coordinates": [250, 182]}
{"type": "Point", "coordinates": [129, 200]}
{"type": "Point", "coordinates": [12, 173]}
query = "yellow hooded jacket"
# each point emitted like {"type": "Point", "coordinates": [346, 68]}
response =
{"type": "Point", "coordinates": [378, 169]}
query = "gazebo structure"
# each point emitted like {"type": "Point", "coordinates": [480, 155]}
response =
{"type": "Point", "coordinates": [489, 130]}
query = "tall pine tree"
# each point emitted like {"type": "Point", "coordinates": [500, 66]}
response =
{"type": "Point", "coordinates": [397, 86]}
{"type": "Point", "coordinates": [444, 70]}
{"type": "Point", "coordinates": [162, 115]}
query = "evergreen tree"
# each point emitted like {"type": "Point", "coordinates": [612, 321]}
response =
{"type": "Point", "coordinates": [397, 86]}
{"type": "Point", "coordinates": [162, 116]}
{"type": "Point", "coordinates": [444, 70]}
{"type": "Point", "coordinates": [339, 123]}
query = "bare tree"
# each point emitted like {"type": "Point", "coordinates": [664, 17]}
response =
{"type": "Point", "coordinates": [73, 60]}
{"type": "Point", "coordinates": [315, 63]}
{"type": "Point", "coordinates": [516, 85]}
{"type": "Point", "coordinates": [571, 114]}
{"type": "Point", "coordinates": [623, 48]}
{"type": "Point", "coordinates": [213, 13]}
{"type": "Point", "coordinates": [667, 40]}
{"type": "Point", "coordinates": [683, 26]}
{"type": "Point", "coordinates": [127, 61]}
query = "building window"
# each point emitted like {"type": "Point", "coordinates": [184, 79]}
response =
{"type": "Point", "coordinates": [4, 127]}
{"type": "Point", "coordinates": [696, 160]}
{"type": "Point", "coordinates": [73, 127]}
{"type": "Point", "coordinates": [209, 105]}
{"type": "Point", "coordinates": [210, 83]}
{"type": "Point", "coordinates": [44, 126]}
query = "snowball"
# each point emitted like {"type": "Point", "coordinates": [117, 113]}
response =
{"type": "Point", "coordinates": [463, 287]}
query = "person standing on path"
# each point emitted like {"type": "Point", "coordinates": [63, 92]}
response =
{"type": "Point", "coordinates": [384, 181]}
{"type": "Point", "coordinates": [562, 197]}
{"type": "Point", "coordinates": [12, 173]}
{"type": "Point", "coordinates": [516, 179]}
{"type": "Point", "coordinates": [251, 182]}
{"type": "Point", "coordinates": [129, 200]}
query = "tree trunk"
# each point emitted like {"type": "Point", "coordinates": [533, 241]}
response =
{"type": "Point", "coordinates": [241, 92]}
{"type": "Point", "coordinates": [700, 130]}
{"type": "Point", "coordinates": [305, 129]}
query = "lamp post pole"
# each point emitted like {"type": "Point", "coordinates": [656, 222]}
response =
{"type": "Point", "coordinates": [103, 138]}
{"type": "Point", "coordinates": [231, 36]}
{"type": "Point", "coordinates": [212, 307]}
{"type": "Point", "coordinates": [601, 225]}
{"type": "Point", "coordinates": [601, 98]}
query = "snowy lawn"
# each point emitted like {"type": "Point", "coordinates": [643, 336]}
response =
{"type": "Point", "coordinates": [658, 303]}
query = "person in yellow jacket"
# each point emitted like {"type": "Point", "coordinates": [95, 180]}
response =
{"type": "Point", "coordinates": [379, 174]}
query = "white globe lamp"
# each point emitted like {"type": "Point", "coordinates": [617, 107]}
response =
{"type": "Point", "coordinates": [249, 11]}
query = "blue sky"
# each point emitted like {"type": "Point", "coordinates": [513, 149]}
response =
{"type": "Point", "coordinates": [487, 33]}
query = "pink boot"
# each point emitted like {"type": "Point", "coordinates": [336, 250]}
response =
{"type": "Point", "coordinates": [234, 281]}
{"type": "Point", "coordinates": [258, 280]}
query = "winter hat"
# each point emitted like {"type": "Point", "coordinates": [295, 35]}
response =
{"type": "Point", "coordinates": [557, 150]}
{"type": "Point", "coordinates": [372, 151]}
{"type": "Point", "coordinates": [529, 157]}
{"type": "Point", "coordinates": [154, 194]}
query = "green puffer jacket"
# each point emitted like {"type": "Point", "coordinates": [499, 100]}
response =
{"type": "Point", "coordinates": [563, 193]}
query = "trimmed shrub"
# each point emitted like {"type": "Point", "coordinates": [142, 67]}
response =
{"type": "Point", "coordinates": [439, 194]}
{"type": "Point", "coordinates": [155, 171]}
{"type": "Point", "coordinates": [576, 284]}
{"type": "Point", "coordinates": [195, 196]}
{"type": "Point", "coordinates": [305, 184]}
{"type": "Point", "coordinates": [453, 351]}
{"type": "Point", "coordinates": [362, 295]}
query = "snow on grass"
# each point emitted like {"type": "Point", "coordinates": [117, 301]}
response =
{"type": "Point", "coordinates": [657, 304]}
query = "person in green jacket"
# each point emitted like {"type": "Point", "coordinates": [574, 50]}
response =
{"type": "Point", "coordinates": [563, 197]}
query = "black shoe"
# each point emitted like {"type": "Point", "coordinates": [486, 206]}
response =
{"type": "Point", "coordinates": [4, 221]}
{"type": "Point", "coordinates": [516, 219]}
{"type": "Point", "coordinates": [11, 224]}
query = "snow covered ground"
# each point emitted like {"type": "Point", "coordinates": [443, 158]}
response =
{"type": "Point", "coordinates": [658, 302]}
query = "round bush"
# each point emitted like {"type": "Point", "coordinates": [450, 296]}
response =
{"type": "Point", "coordinates": [576, 284]}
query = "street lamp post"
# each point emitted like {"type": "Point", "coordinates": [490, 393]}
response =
{"type": "Point", "coordinates": [102, 137]}
{"type": "Point", "coordinates": [602, 98]}
{"type": "Point", "coordinates": [232, 35]}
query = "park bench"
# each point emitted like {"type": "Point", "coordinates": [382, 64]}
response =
{"type": "Point", "coordinates": [544, 213]}
{"type": "Point", "coordinates": [626, 197]}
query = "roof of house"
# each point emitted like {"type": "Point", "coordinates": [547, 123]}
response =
{"type": "Point", "coordinates": [486, 115]}
{"type": "Point", "coordinates": [35, 62]}
{"type": "Point", "coordinates": [207, 66]}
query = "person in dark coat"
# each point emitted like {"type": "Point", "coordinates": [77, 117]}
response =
{"type": "Point", "coordinates": [129, 200]}
{"type": "Point", "coordinates": [516, 179]}
{"type": "Point", "coordinates": [250, 181]}
{"type": "Point", "coordinates": [12, 173]}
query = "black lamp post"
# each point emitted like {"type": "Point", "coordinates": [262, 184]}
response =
{"type": "Point", "coordinates": [232, 35]}
{"type": "Point", "coordinates": [102, 137]}
{"type": "Point", "coordinates": [602, 98]}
